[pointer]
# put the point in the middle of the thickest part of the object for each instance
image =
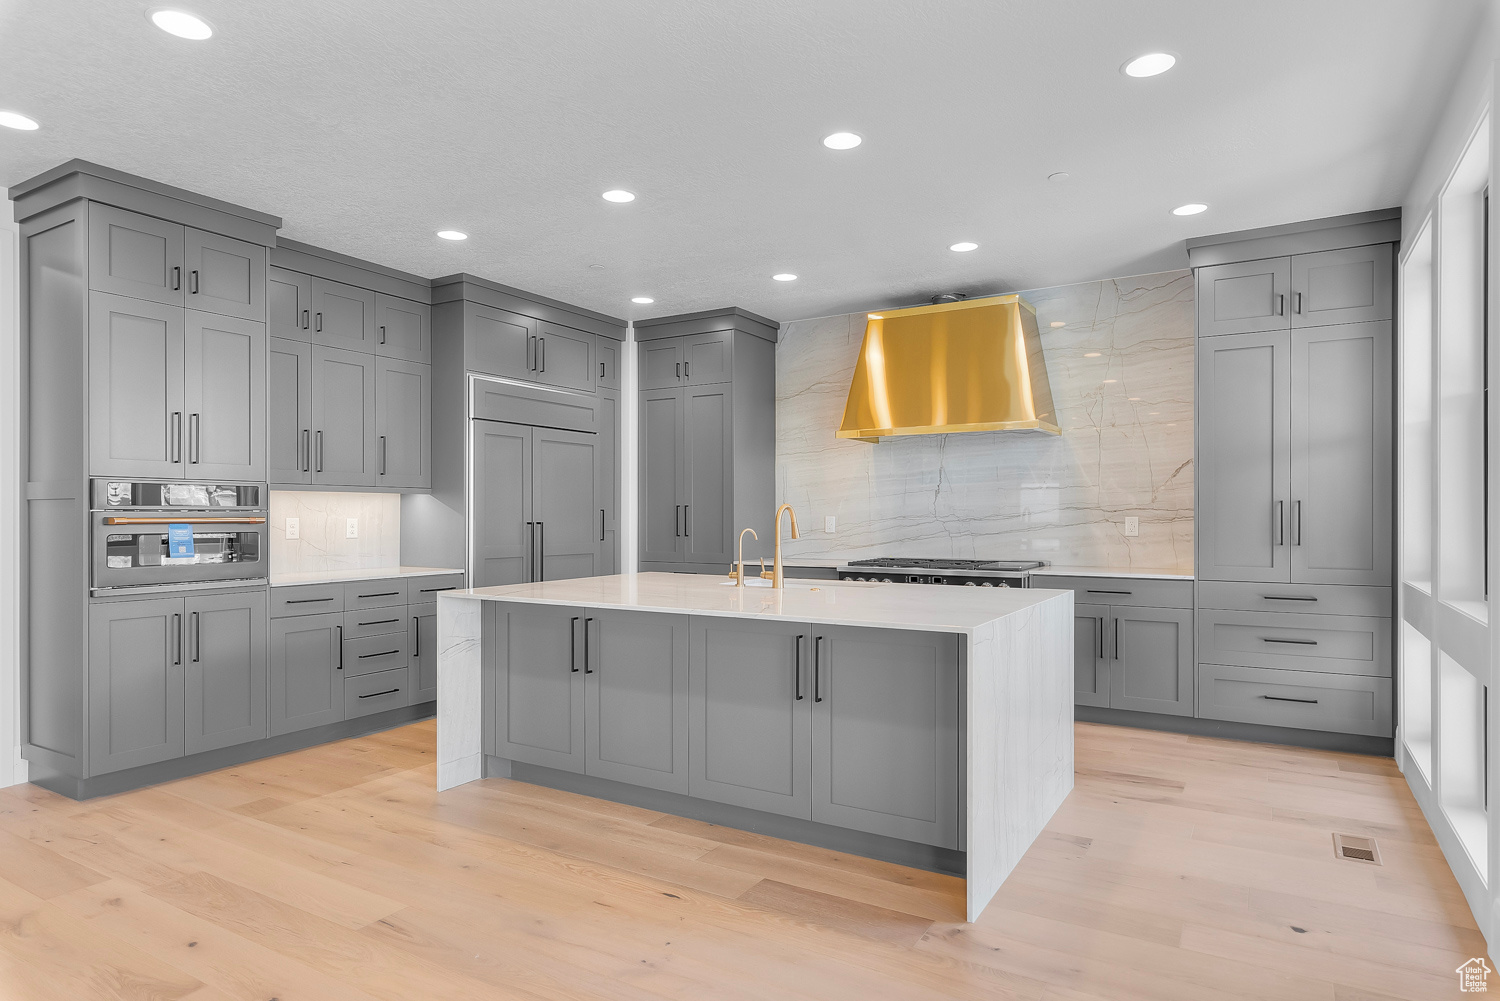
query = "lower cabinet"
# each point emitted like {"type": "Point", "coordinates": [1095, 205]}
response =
{"type": "Point", "coordinates": [422, 642]}
{"type": "Point", "coordinates": [1090, 656]}
{"type": "Point", "coordinates": [1152, 666]}
{"type": "Point", "coordinates": [224, 678]}
{"type": "Point", "coordinates": [306, 671]}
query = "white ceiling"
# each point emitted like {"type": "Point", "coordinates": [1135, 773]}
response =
{"type": "Point", "coordinates": [369, 124]}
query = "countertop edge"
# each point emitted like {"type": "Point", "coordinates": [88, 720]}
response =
{"type": "Point", "coordinates": [351, 576]}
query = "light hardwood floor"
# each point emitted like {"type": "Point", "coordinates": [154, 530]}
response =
{"type": "Point", "coordinates": [1179, 868]}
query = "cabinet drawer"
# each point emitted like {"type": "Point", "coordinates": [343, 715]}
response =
{"type": "Point", "coordinates": [374, 593]}
{"type": "Point", "coordinates": [374, 622]}
{"type": "Point", "coordinates": [375, 693]}
{"type": "Point", "coordinates": [1121, 590]}
{"type": "Point", "coordinates": [1335, 644]}
{"type": "Point", "coordinates": [1336, 702]}
{"type": "Point", "coordinates": [306, 599]}
{"type": "Point", "coordinates": [428, 588]}
{"type": "Point", "coordinates": [1318, 599]}
{"type": "Point", "coordinates": [369, 654]}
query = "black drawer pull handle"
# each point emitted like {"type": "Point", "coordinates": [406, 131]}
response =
{"type": "Point", "coordinates": [1288, 698]}
{"type": "Point", "coordinates": [1287, 597]}
{"type": "Point", "coordinates": [378, 622]}
{"type": "Point", "coordinates": [1093, 590]}
{"type": "Point", "coordinates": [1272, 639]}
{"type": "Point", "coordinates": [383, 653]}
{"type": "Point", "coordinates": [382, 594]}
{"type": "Point", "coordinates": [429, 590]}
{"type": "Point", "coordinates": [376, 695]}
{"type": "Point", "coordinates": [306, 601]}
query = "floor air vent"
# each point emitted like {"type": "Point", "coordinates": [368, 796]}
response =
{"type": "Point", "coordinates": [1356, 849]}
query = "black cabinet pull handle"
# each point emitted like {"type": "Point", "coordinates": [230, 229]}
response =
{"type": "Point", "coordinates": [530, 354]}
{"type": "Point", "coordinates": [573, 645]}
{"type": "Point", "coordinates": [176, 278]}
{"type": "Point", "coordinates": [318, 324]}
{"type": "Point", "coordinates": [601, 370]}
{"type": "Point", "coordinates": [601, 524]}
{"type": "Point", "coordinates": [1287, 597]}
{"type": "Point", "coordinates": [677, 521]}
{"type": "Point", "coordinates": [541, 551]}
{"type": "Point", "coordinates": [341, 646]}
{"type": "Point", "coordinates": [383, 653]}
{"type": "Point", "coordinates": [318, 468]}
{"type": "Point", "coordinates": [193, 282]}
{"type": "Point", "coordinates": [197, 637]}
{"type": "Point", "coordinates": [541, 354]}
{"type": "Point", "coordinates": [797, 670]}
{"type": "Point", "coordinates": [687, 370]}
{"type": "Point", "coordinates": [1117, 638]}
{"type": "Point", "coordinates": [1297, 302]}
{"type": "Point", "coordinates": [1296, 523]}
{"type": "Point", "coordinates": [382, 455]}
{"type": "Point", "coordinates": [1278, 524]}
{"type": "Point", "coordinates": [305, 601]}
{"type": "Point", "coordinates": [177, 648]}
{"type": "Point", "coordinates": [679, 370]}
{"type": "Point", "coordinates": [195, 438]}
{"type": "Point", "coordinates": [1272, 639]}
{"type": "Point", "coordinates": [1287, 698]}
{"type": "Point", "coordinates": [817, 669]}
{"type": "Point", "coordinates": [174, 432]}
{"type": "Point", "coordinates": [306, 449]}
{"type": "Point", "coordinates": [416, 643]}
{"type": "Point", "coordinates": [1280, 304]}
{"type": "Point", "coordinates": [430, 590]}
{"type": "Point", "coordinates": [586, 668]}
{"type": "Point", "coordinates": [1101, 637]}
{"type": "Point", "coordinates": [382, 333]}
{"type": "Point", "coordinates": [376, 695]}
{"type": "Point", "coordinates": [687, 524]}
{"type": "Point", "coordinates": [378, 622]}
{"type": "Point", "coordinates": [1093, 590]}
{"type": "Point", "coordinates": [305, 319]}
{"type": "Point", "coordinates": [379, 594]}
{"type": "Point", "coordinates": [531, 549]}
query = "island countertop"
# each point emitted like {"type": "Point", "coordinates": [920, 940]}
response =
{"type": "Point", "coordinates": [849, 603]}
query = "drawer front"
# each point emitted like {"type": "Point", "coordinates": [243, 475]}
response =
{"type": "Point", "coordinates": [375, 693]}
{"type": "Point", "coordinates": [306, 599]}
{"type": "Point", "coordinates": [1317, 599]}
{"type": "Point", "coordinates": [374, 593]}
{"type": "Point", "coordinates": [1121, 590]}
{"type": "Point", "coordinates": [374, 622]}
{"type": "Point", "coordinates": [428, 588]}
{"type": "Point", "coordinates": [1338, 703]}
{"type": "Point", "coordinates": [1334, 644]}
{"type": "Point", "coordinates": [370, 654]}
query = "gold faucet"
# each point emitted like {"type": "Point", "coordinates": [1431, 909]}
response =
{"type": "Point", "coordinates": [778, 571]}
{"type": "Point", "coordinates": [738, 575]}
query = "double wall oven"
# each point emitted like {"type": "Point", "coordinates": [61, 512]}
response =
{"type": "Point", "coordinates": [157, 535]}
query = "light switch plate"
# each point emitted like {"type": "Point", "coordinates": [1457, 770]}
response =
{"type": "Point", "coordinates": [1132, 527]}
{"type": "Point", "coordinates": [828, 524]}
{"type": "Point", "coordinates": [294, 528]}
{"type": "Point", "coordinates": [351, 528]}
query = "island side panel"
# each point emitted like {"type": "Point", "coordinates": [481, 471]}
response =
{"type": "Point", "coordinates": [460, 704]}
{"type": "Point", "coordinates": [1020, 738]}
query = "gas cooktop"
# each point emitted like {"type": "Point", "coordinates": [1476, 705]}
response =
{"type": "Point", "coordinates": [910, 563]}
{"type": "Point", "coordinates": [911, 570]}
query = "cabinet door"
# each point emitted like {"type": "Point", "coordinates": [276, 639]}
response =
{"type": "Point", "coordinates": [403, 424]}
{"type": "Point", "coordinates": [534, 664]}
{"type": "Point", "coordinates": [422, 642]}
{"type": "Point", "coordinates": [564, 502]}
{"type": "Point", "coordinates": [885, 733]}
{"type": "Point", "coordinates": [135, 683]}
{"type": "Point", "coordinates": [564, 357]}
{"type": "Point", "coordinates": [636, 682]}
{"type": "Point", "coordinates": [1244, 297]}
{"type": "Point", "coordinates": [1244, 457]}
{"type": "Point", "coordinates": [135, 387]}
{"type": "Point", "coordinates": [663, 466]}
{"type": "Point", "coordinates": [661, 363]}
{"type": "Point", "coordinates": [224, 394]}
{"type": "Point", "coordinates": [608, 352]}
{"type": "Point", "coordinates": [134, 255]}
{"type": "Point", "coordinates": [343, 316]}
{"type": "Point", "coordinates": [343, 417]}
{"type": "Point", "coordinates": [1090, 663]}
{"type": "Point", "coordinates": [1152, 650]}
{"type": "Point", "coordinates": [288, 304]}
{"type": "Point", "coordinates": [607, 455]}
{"type": "Point", "coordinates": [750, 714]}
{"type": "Point", "coordinates": [1342, 286]}
{"type": "Point", "coordinates": [504, 532]}
{"type": "Point", "coordinates": [499, 342]}
{"type": "Point", "coordinates": [706, 358]}
{"type": "Point", "coordinates": [402, 328]}
{"type": "Point", "coordinates": [1340, 522]}
{"type": "Point", "coordinates": [225, 670]}
{"type": "Point", "coordinates": [289, 444]}
{"type": "Point", "coordinates": [708, 503]}
{"type": "Point", "coordinates": [223, 275]}
{"type": "Point", "coordinates": [306, 678]}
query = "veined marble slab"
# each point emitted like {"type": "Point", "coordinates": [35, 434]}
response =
{"type": "Point", "coordinates": [1018, 652]}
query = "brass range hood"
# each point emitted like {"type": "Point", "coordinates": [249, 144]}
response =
{"type": "Point", "coordinates": [972, 365]}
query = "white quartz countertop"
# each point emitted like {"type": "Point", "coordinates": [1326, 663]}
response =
{"type": "Point", "coordinates": [1135, 573]}
{"type": "Point", "coordinates": [849, 603]}
{"type": "Point", "coordinates": [339, 576]}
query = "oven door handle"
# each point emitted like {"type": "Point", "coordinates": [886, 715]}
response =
{"type": "Point", "coordinates": [184, 521]}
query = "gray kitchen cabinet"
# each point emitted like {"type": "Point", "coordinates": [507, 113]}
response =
{"type": "Point", "coordinates": [707, 358]}
{"type": "Point", "coordinates": [708, 507]}
{"type": "Point", "coordinates": [289, 417]}
{"type": "Point", "coordinates": [224, 397]}
{"type": "Point", "coordinates": [135, 255]}
{"type": "Point", "coordinates": [1333, 703]}
{"type": "Point", "coordinates": [499, 342]}
{"type": "Point", "coordinates": [403, 424]}
{"type": "Point", "coordinates": [305, 672]}
{"type": "Point", "coordinates": [504, 530]}
{"type": "Point", "coordinates": [1342, 286]}
{"type": "Point", "coordinates": [135, 683]}
{"type": "Point", "coordinates": [343, 316]}
{"type": "Point", "coordinates": [223, 275]}
{"type": "Point", "coordinates": [565, 503]}
{"type": "Point", "coordinates": [564, 357]}
{"type": "Point", "coordinates": [661, 363]}
{"type": "Point", "coordinates": [1090, 658]}
{"type": "Point", "coordinates": [534, 660]}
{"type": "Point", "coordinates": [135, 401]}
{"type": "Point", "coordinates": [1244, 297]}
{"type": "Point", "coordinates": [635, 677]}
{"type": "Point", "coordinates": [422, 642]}
{"type": "Point", "coordinates": [607, 465]}
{"type": "Point", "coordinates": [607, 351]}
{"type": "Point", "coordinates": [750, 714]}
{"type": "Point", "coordinates": [375, 693]}
{"type": "Point", "coordinates": [344, 446]}
{"type": "Point", "coordinates": [403, 328]}
{"type": "Point", "coordinates": [225, 670]}
{"type": "Point", "coordinates": [885, 733]}
{"type": "Point", "coordinates": [378, 653]}
{"type": "Point", "coordinates": [1152, 660]}
{"type": "Point", "coordinates": [663, 427]}
{"type": "Point", "coordinates": [289, 304]}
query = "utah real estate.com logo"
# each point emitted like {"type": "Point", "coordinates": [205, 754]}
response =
{"type": "Point", "coordinates": [1474, 976]}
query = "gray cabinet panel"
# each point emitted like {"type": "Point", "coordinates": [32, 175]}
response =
{"type": "Point", "coordinates": [306, 677]}
{"type": "Point", "coordinates": [1342, 286]}
{"type": "Point", "coordinates": [223, 275]}
{"type": "Point", "coordinates": [374, 693]}
{"type": "Point", "coordinates": [423, 646]}
{"type": "Point", "coordinates": [1331, 644]}
{"type": "Point", "coordinates": [1120, 590]}
{"type": "Point", "coordinates": [885, 733]}
{"type": "Point", "coordinates": [564, 357]}
{"type": "Point", "coordinates": [1313, 599]}
{"type": "Point", "coordinates": [306, 599]}
{"type": "Point", "coordinates": [135, 683]}
{"type": "Point", "coordinates": [607, 470]}
{"type": "Point", "coordinates": [707, 358]}
{"type": "Point", "coordinates": [343, 417]}
{"type": "Point", "coordinates": [1340, 519]}
{"type": "Point", "coordinates": [503, 529]}
{"type": "Point", "coordinates": [402, 328]}
{"type": "Point", "coordinates": [343, 316]}
{"type": "Point", "coordinates": [225, 670]}
{"type": "Point", "coordinates": [1152, 669]}
{"type": "Point", "coordinates": [403, 424]}
{"type": "Point", "coordinates": [499, 342]}
{"type": "Point", "coordinates": [385, 592]}
{"type": "Point", "coordinates": [1244, 297]}
{"type": "Point", "coordinates": [289, 418]}
{"type": "Point", "coordinates": [564, 503]}
{"type": "Point", "coordinates": [134, 255]}
{"type": "Point", "coordinates": [1244, 456]}
{"type": "Point", "coordinates": [374, 622]}
{"type": "Point", "coordinates": [663, 466]}
{"type": "Point", "coordinates": [428, 586]}
{"type": "Point", "coordinates": [136, 420]}
{"type": "Point", "coordinates": [1090, 658]}
{"type": "Point", "coordinates": [608, 352]}
{"type": "Point", "coordinates": [636, 683]}
{"type": "Point", "coordinates": [1334, 702]}
{"type": "Point", "coordinates": [661, 363]}
{"type": "Point", "coordinates": [289, 304]}
{"type": "Point", "coordinates": [224, 362]}
{"type": "Point", "coordinates": [707, 503]}
{"type": "Point", "coordinates": [750, 714]}
{"type": "Point", "coordinates": [534, 655]}
{"type": "Point", "coordinates": [377, 654]}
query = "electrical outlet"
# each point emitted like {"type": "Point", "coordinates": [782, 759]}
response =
{"type": "Point", "coordinates": [1132, 527]}
{"type": "Point", "coordinates": [294, 528]}
{"type": "Point", "coordinates": [351, 528]}
{"type": "Point", "coordinates": [828, 524]}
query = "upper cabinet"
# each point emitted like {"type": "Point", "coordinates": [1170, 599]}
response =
{"type": "Point", "coordinates": [403, 328]}
{"type": "Point", "coordinates": [224, 276]}
{"type": "Point", "coordinates": [705, 359]}
{"type": "Point", "coordinates": [515, 346]}
{"type": "Point", "coordinates": [289, 304]}
{"type": "Point", "coordinates": [343, 316]}
{"type": "Point", "coordinates": [1302, 290]}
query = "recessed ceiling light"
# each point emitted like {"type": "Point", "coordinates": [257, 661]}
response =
{"type": "Point", "coordinates": [618, 195]}
{"type": "Point", "coordinates": [1191, 208]}
{"type": "Point", "coordinates": [643, 300]}
{"type": "Point", "coordinates": [452, 234]}
{"type": "Point", "coordinates": [842, 140]}
{"type": "Point", "coordinates": [182, 24]}
{"type": "Point", "coordinates": [784, 277]}
{"type": "Point", "coordinates": [16, 120]}
{"type": "Point", "coordinates": [964, 248]}
{"type": "Point", "coordinates": [1061, 175]}
{"type": "Point", "coordinates": [1059, 323]}
{"type": "Point", "coordinates": [1151, 64]}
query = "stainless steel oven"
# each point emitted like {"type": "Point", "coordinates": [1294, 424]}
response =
{"type": "Point", "coordinates": [149, 534]}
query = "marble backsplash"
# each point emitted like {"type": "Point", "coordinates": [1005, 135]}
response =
{"type": "Point", "coordinates": [322, 519]}
{"type": "Point", "coordinates": [1120, 359]}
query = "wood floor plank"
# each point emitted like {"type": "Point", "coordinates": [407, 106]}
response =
{"type": "Point", "coordinates": [834, 911]}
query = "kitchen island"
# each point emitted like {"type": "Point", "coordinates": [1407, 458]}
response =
{"type": "Point", "coordinates": [918, 724]}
